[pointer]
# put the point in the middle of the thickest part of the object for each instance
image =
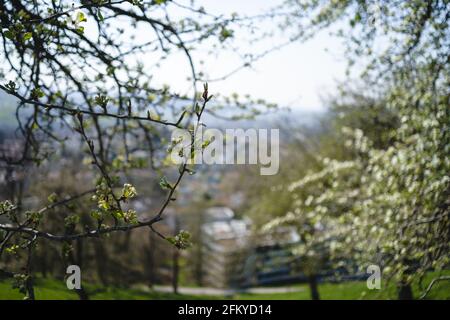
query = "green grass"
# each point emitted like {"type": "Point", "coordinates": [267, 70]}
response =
{"type": "Point", "coordinates": [52, 289]}
{"type": "Point", "coordinates": [354, 290]}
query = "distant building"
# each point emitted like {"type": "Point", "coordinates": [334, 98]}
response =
{"type": "Point", "coordinates": [234, 257]}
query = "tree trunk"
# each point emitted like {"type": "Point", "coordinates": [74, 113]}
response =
{"type": "Point", "coordinates": [312, 281]}
{"type": "Point", "coordinates": [101, 258]}
{"type": "Point", "coordinates": [29, 280]}
{"type": "Point", "coordinates": [29, 287]}
{"type": "Point", "coordinates": [151, 260]}
{"type": "Point", "coordinates": [404, 288]}
{"type": "Point", "coordinates": [175, 262]}
{"type": "Point", "coordinates": [80, 252]}
{"type": "Point", "coordinates": [175, 270]}
{"type": "Point", "coordinates": [405, 291]}
{"type": "Point", "coordinates": [82, 294]}
{"type": "Point", "coordinates": [44, 261]}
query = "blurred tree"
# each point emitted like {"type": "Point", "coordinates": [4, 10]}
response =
{"type": "Point", "coordinates": [388, 201]}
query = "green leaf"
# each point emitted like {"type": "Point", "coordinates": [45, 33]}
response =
{"type": "Point", "coordinates": [9, 34]}
{"type": "Point", "coordinates": [81, 17]}
{"type": "Point", "coordinates": [99, 15]}
{"type": "Point", "coordinates": [34, 216]}
{"type": "Point", "coordinates": [5, 207]}
{"type": "Point", "coordinates": [164, 183]}
{"type": "Point", "coordinates": [27, 36]}
{"type": "Point", "coordinates": [128, 191]}
{"type": "Point", "coordinates": [12, 249]}
{"type": "Point", "coordinates": [182, 240]}
{"type": "Point", "coordinates": [71, 220]}
{"type": "Point", "coordinates": [36, 93]}
{"type": "Point", "coordinates": [11, 86]}
{"type": "Point", "coordinates": [197, 108]}
{"type": "Point", "coordinates": [225, 34]}
{"type": "Point", "coordinates": [130, 216]}
{"type": "Point", "coordinates": [96, 214]}
{"type": "Point", "coordinates": [52, 198]}
{"type": "Point", "coordinates": [101, 100]}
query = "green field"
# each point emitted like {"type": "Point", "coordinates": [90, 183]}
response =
{"type": "Point", "coordinates": [51, 289]}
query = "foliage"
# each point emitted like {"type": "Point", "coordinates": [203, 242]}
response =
{"type": "Point", "coordinates": [80, 76]}
{"type": "Point", "coordinates": [387, 204]}
{"type": "Point", "coordinates": [182, 240]}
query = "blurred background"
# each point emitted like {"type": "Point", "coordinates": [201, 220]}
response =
{"type": "Point", "coordinates": [360, 93]}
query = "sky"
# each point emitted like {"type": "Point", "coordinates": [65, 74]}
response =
{"type": "Point", "coordinates": [296, 76]}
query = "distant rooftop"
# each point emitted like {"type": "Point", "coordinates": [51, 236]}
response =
{"type": "Point", "coordinates": [219, 214]}
{"type": "Point", "coordinates": [222, 230]}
